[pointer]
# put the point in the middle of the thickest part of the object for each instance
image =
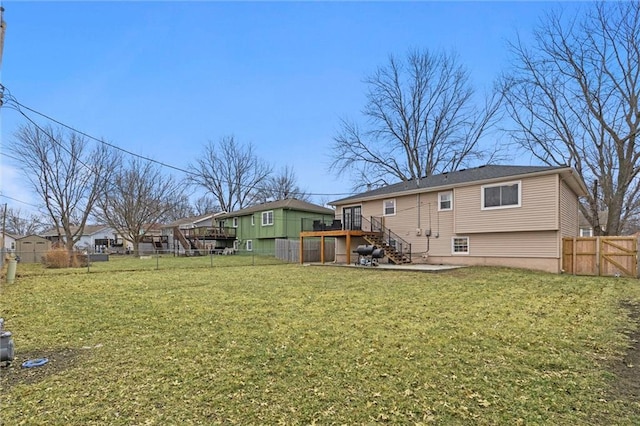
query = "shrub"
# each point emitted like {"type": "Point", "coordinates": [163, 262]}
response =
{"type": "Point", "coordinates": [59, 258]}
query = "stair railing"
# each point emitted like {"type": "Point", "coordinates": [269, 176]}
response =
{"type": "Point", "coordinates": [392, 239]}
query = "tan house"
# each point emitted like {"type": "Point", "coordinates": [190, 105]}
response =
{"type": "Point", "coordinates": [490, 215]}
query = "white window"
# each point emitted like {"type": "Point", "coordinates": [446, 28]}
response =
{"type": "Point", "coordinates": [389, 207]}
{"type": "Point", "coordinates": [253, 220]}
{"type": "Point", "coordinates": [267, 218]}
{"type": "Point", "coordinates": [445, 201]}
{"type": "Point", "coordinates": [460, 245]}
{"type": "Point", "coordinates": [586, 232]}
{"type": "Point", "coordinates": [235, 222]}
{"type": "Point", "coordinates": [501, 196]}
{"type": "Point", "coordinates": [249, 245]}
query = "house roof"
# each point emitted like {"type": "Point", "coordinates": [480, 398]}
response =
{"type": "Point", "coordinates": [191, 220]}
{"type": "Point", "coordinates": [88, 230]}
{"type": "Point", "coordinates": [464, 177]}
{"type": "Point", "coordinates": [32, 236]}
{"type": "Point", "coordinates": [286, 204]}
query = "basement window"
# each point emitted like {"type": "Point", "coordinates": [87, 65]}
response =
{"type": "Point", "coordinates": [460, 245]}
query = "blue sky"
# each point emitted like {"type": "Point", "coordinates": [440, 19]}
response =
{"type": "Point", "coordinates": [163, 78]}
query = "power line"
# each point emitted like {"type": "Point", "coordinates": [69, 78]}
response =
{"type": "Point", "coordinates": [19, 201]}
{"type": "Point", "coordinates": [96, 139]}
{"type": "Point", "coordinates": [17, 106]}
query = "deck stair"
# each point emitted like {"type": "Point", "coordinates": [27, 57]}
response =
{"type": "Point", "coordinates": [189, 246]}
{"type": "Point", "coordinates": [396, 249]}
{"type": "Point", "coordinates": [389, 251]}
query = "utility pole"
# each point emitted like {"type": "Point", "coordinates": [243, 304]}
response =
{"type": "Point", "coordinates": [3, 26]}
{"type": "Point", "coordinates": [4, 230]}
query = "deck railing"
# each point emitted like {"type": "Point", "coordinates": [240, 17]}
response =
{"type": "Point", "coordinates": [210, 232]}
{"type": "Point", "coordinates": [374, 225]}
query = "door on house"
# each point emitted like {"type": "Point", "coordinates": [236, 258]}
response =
{"type": "Point", "coordinates": [352, 217]}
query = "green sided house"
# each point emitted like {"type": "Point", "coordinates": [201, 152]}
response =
{"type": "Point", "coordinates": [490, 215]}
{"type": "Point", "coordinates": [257, 227]}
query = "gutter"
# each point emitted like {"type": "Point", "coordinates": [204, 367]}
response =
{"type": "Point", "coordinates": [421, 190]}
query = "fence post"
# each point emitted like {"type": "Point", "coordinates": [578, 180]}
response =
{"type": "Point", "coordinates": [574, 255]}
{"type": "Point", "coordinates": [598, 256]}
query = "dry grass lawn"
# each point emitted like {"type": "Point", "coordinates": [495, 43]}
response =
{"type": "Point", "coordinates": [287, 344]}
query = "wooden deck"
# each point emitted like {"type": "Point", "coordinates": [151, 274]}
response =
{"type": "Point", "coordinates": [333, 233]}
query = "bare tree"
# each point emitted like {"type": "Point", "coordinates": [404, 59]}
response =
{"type": "Point", "coordinates": [65, 173]}
{"type": "Point", "coordinates": [231, 173]}
{"type": "Point", "coordinates": [204, 204]}
{"type": "Point", "coordinates": [23, 223]}
{"type": "Point", "coordinates": [421, 118]}
{"type": "Point", "coordinates": [138, 197]}
{"type": "Point", "coordinates": [573, 97]}
{"type": "Point", "coordinates": [282, 186]}
{"type": "Point", "coordinates": [181, 208]}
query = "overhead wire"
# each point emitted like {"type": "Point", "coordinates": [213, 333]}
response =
{"type": "Point", "coordinates": [18, 201]}
{"type": "Point", "coordinates": [13, 103]}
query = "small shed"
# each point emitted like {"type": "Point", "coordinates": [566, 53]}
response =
{"type": "Point", "coordinates": [32, 248]}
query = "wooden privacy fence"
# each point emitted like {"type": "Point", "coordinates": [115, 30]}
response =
{"type": "Point", "coordinates": [604, 256]}
{"type": "Point", "coordinates": [289, 250]}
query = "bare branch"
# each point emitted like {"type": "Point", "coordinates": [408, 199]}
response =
{"type": "Point", "coordinates": [231, 173]}
{"type": "Point", "coordinates": [573, 98]}
{"type": "Point", "coordinates": [420, 119]}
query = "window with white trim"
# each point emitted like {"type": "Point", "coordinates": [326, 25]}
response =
{"type": "Point", "coordinates": [389, 207]}
{"type": "Point", "coordinates": [235, 222]}
{"type": "Point", "coordinates": [249, 245]}
{"type": "Point", "coordinates": [236, 245]}
{"type": "Point", "coordinates": [445, 201]}
{"type": "Point", "coordinates": [501, 196]}
{"type": "Point", "coordinates": [460, 245]}
{"type": "Point", "coordinates": [267, 218]}
{"type": "Point", "coordinates": [586, 232]}
{"type": "Point", "coordinates": [253, 220]}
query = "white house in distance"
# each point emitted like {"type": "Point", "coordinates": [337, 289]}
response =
{"type": "Point", "coordinates": [95, 238]}
{"type": "Point", "coordinates": [9, 242]}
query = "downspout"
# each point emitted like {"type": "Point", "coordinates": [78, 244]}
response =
{"type": "Point", "coordinates": [418, 203]}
